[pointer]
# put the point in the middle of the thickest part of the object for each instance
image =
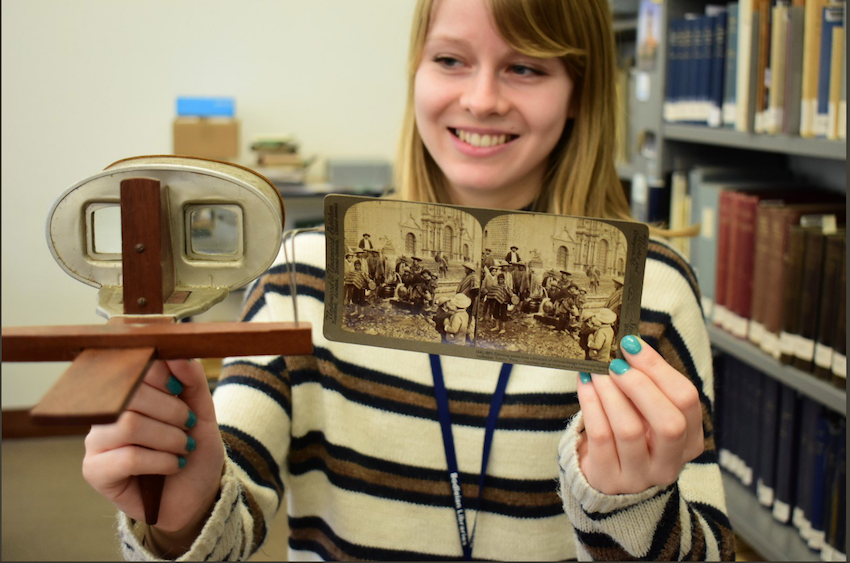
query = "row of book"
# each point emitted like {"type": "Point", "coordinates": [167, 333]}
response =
{"type": "Point", "coordinates": [763, 66]}
{"type": "Point", "coordinates": [788, 449]}
{"type": "Point", "coordinates": [770, 259]}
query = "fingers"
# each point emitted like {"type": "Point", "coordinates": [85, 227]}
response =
{"type": "Point", "coordinates": [601, 447]}
{"type": "Point", "coordinates": [626, 425]}
{"type": "Point", "coordinates": [163, 407]}
{"type": "Point", "coordinates": [112, 467]}
{"type": "Point", "coordinates": [135, 429]}
{"type": "Point", "coordinates": [665, 397]}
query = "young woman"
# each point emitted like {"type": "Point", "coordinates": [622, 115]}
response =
{"type": "Point", "coordinates": [511, 105]}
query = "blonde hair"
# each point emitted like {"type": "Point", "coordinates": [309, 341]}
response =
{"type": "Point", "coordinates": [581, 178]}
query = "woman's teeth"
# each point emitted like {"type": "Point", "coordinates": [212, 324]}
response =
{"type": "Point", "coordinates": [477, 140]}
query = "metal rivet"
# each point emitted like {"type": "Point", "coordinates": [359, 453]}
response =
{"type": "Point", "coordinates": [142, 301]}
{"type": "Point", "coordinates": [140, 247]}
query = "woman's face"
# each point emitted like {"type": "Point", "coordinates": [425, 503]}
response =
{"type": "Point", "coordinates": [488, 115]}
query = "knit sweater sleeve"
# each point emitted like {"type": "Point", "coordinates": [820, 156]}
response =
{"type": "Point", "coordinates": [257, 437]}
{"type": "Point", "coordinates": [686, 520]}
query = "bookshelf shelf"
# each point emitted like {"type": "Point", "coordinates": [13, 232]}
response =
{"type": "Point", "coordinates": [820, 148]}
{"type": "Point", "coordinates": [755, 523]}
{"type": "Point", "coordinates": [805, 383]}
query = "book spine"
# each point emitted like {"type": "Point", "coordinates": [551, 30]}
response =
{"type": "Point", "coordinates": [771, 390]}
{"type": "Point", "coordinates": [745, 225]}
{"type": "Point", "coordinates": [774, 114]}
{"type": "Point", "coordinates": [793, 263]}
{"type": "Point", "coordinates": [835, 73]}
{"type": "Point", "coordinates": [786, 454]}
{"type": "Point", "coordinates": [673, 78]}
{"type": "Point", "coordinates": [814, 532]}
{"type": "Point", "coordinates": [730, 73]}
{"type": "Point", "coordinates": [811, 60]}
{"type": "Point", "coordinates": [693, 65]}
{"type": "Point", "coordinates": [813, 263]}
{"type": "Point", "coordinates": [794, 70]}
{"type": "Point", "coordinates": [839, 340]}
{"type": "Point", "coordinates": [836, 521]}
{"type": "Point", "coordinates": [760, 277]}
{"type": "Point", "coordinates": [724, 213]}
{"type": "Point", "coordinates": [762, 8]}
{"type": "Point", "coordinates": [718, 50]}
{"type": "Point", "coordinates": [831, 18]}
{"type": "Point", "coordinates": [743, 118]}
{"type": "Point", "coordinates": [833, 262]}
{"type": "Point", "coordinates": [810, 412]}
{"type": "Point", "coordinates": [842, 97]}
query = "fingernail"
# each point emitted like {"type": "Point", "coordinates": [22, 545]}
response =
{"type": "Point", "coordinates": [174, 385]}
{"type": "Point", "coordinates": [181, 461]}
{"type": "Point", "coordinates": [585, 377]}
{"type": "Point", "coordinates": [630, 344]}
{"type": "Point", "coordinates": [190, 444]}
{"type": "Point", "coordinates": [619, 366]}
{"type": "Point", "coordinates": [192, 420]}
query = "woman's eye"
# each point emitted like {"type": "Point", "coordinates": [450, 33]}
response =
{"type": "Point", "coordinates": [522, 70]}
{"type": "Point", "coordinates": [448, 62]}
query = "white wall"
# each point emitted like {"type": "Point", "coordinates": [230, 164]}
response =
{"type": "Point", "coordinates": [88, 82]}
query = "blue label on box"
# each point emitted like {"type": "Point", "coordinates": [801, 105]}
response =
{"type": "Point", "coordinates": [205, 107]}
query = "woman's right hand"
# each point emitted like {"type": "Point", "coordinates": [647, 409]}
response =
{"type": "Point", "coordinates": [169, 428]}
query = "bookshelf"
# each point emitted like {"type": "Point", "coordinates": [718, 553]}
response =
{"type": "Point", "coordinates": [680, 146]}
{"type": "Point", "coordinates": [784, 144]}
{"type": "Point", "coordinates": [754, 523]}
{"type": "Point", "coordinates": [805, 383]}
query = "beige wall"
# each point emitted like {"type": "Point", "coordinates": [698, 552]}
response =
{"type": "Point", "coordinates": [88, 82]}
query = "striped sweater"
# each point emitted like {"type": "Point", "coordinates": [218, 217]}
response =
{"type": "Point", "coordinates": [347, 444]}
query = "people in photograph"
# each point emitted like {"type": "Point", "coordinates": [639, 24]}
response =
{"type": "Point", "coordinates": [359, 283]}
{"type": "Point", "coordinates": [614, 303]}
{"type": "Point", "coordinates": [442, 264]}
{"type": "Point", "coordinates": [600, 341]}
{"type": "Point", "coordinates": [486, 285]}
{"type": "Point", "coordinates": [366, 242]}
{"type": "Point", "coordinates": [489, 260]}
{"type": "Point", "coordinates": [502, 297]}
{"type": "Point", "coordinates": [589, 326]}
{"type": "Point", "coordinates": [511, 105]}
{"type": "Point", "coordinates": [593, 276]}
{"type": "Point", "coordinates": [512, 257]}
{"type": "Point", "coordinates": [456, 326]}
{"type": "Point", "coordinates": [444, 312]}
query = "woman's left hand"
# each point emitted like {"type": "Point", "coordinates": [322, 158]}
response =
{"type": "Point", "coordinates": [642, 422]}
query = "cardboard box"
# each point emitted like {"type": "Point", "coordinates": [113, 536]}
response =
{"type": "Point", "coordinates": [207, 137]}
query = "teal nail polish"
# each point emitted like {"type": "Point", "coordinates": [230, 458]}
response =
{"type": "Point", "coordinates": [585, 377]}
{"type": "Point", "coordinates": [174, 385]}
{"type": "Point", "coordinates": [192, 420]}
{"type": "Point", "coordinates": [619, 366]}
{"type": "Point", "coordinates": [181, 461]}
{"type": "Point", "coordinates": [190, 444]}
{"type": "Point", "coordinates": [630, 344]}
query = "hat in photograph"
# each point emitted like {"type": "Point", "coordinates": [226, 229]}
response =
{"type": "Point", "coordinates": [441, 299]}
{"type": "Point", "coordinates": [566, 272]}
{"type": "Point", "coordinates": [416, 258]}
{"type": "Point", "coordinates": [488, 250]}
{"type": "Point", "coordinates": [367, 235]}
{"type": "Point", "coordinates": [618, 280]}
{"type": "Point", "coordinates": [469, 266]}
{"type": "Point", "coordinates": [514, 248]}
{"type": "Point", "coordinates": [606, 316]}
{"type": "Point", "coordinates": [461, 301]}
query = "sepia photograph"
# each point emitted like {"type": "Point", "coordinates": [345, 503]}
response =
{"type": "Point", "coordinates": [551, 286]}
{"type": "Point", "coordinates": [521, 287]}
{"type": "Point", "coordinates": [408, 272]}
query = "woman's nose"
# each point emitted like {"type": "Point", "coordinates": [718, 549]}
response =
{"type": "Point", "coordinates": [483, 95]}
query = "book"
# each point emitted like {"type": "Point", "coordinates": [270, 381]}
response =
{"type": "Point", "coordinates": [813, 267]}
{"type": "Point", "coordinates": [842, 96]}
{"type": "Point", "coordinates": [724, 234]}
{"type": "Point", "coordinates": [834, 261]}
{"type": "Point", "coordinates": [753, 390]}
{"type": "Point", "coordinates": [762, 92]}
{"type": "Point", "coordinates": [705, 184]}
{"type": "Point", "coordinates": [650, 199]}
{"type": "Point", "coordinates": [793, 70]}
{"type": "Point", "coordinates": [792, 294]}
{"type": "Point", "coordinates": [835, 74]}
{"type": "Point", "coordinates": [768, 433]}
{"type": "Point", "coordinates": [787, 447]}
{"type": "Point", "coordinates": [680, 210]}
{"type": "Point", "coordinates": [834, 546]}
{"type": "Point", "coordinates": [747, 66]}
{"type": "Point", "coordinates": [810, 413]}
{"type": "Point", "coordinates": [772, 307]}
{"type": "Point", "coordinates": [811, 66]}
{"type": "Point", "coordinates": [813, 533]}
{"type": "Point", "coordinates": [718, 17]}
{"type": "Point", "coordinates": [839, 340]}
{"type": "Point", "coordinates": [774, 113]}
{"type": "Point", "coordinates": [730, 71]}
{"type": "Point", "coordinates": [831, 19]}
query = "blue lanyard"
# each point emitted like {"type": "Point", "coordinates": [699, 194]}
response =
{"type": "Point", "coordinates": [448, 442]}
